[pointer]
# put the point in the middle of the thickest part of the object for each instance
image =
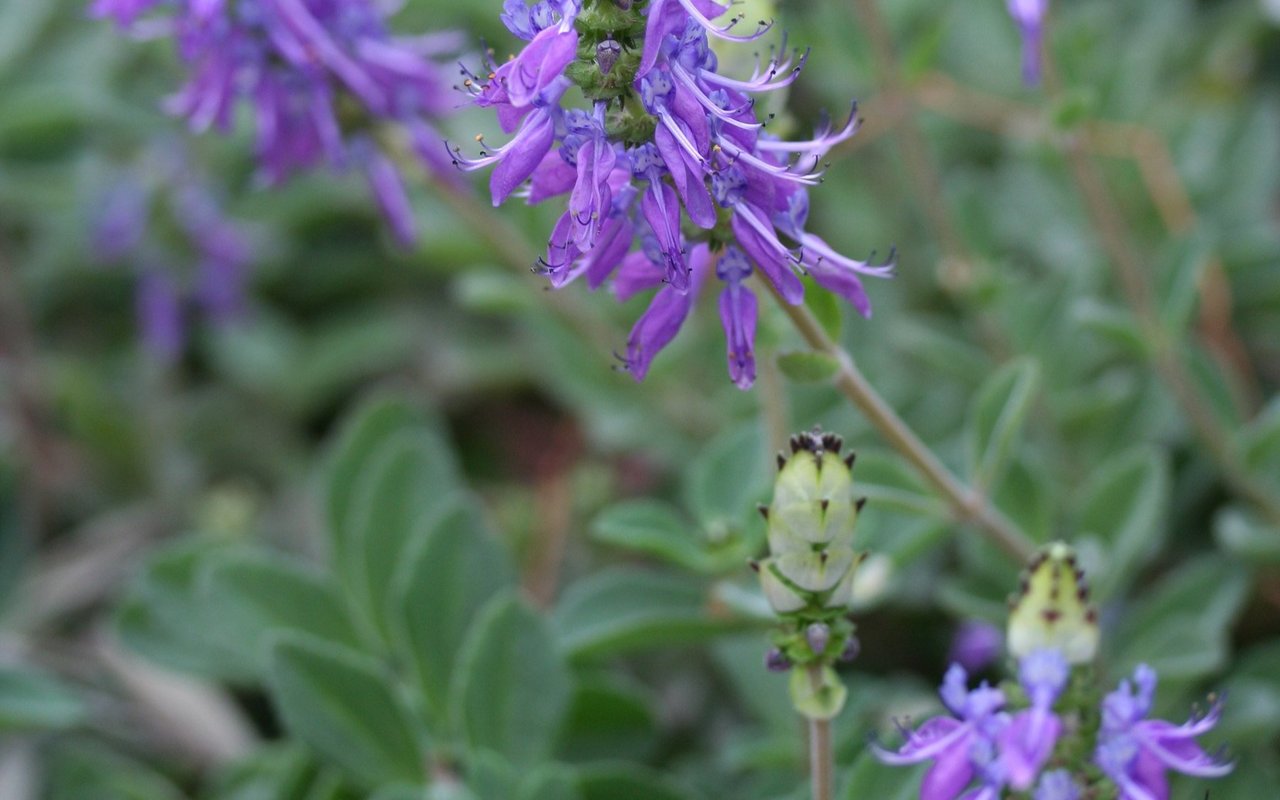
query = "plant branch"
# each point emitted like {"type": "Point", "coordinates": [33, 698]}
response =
{"type": "Point", "coordinates": [967, 503]}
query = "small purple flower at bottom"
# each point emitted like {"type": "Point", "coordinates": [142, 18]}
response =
{"type": "Point", "coordinates": [1028, 741]}
{"type": "Point", "coordinates": [962, 746]}
{"type": "Point", "coordinates": [1136, 752]}
{"type": "Point", "coordinates": [1056, 784]}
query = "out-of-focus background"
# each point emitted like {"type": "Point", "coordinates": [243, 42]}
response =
{"type": "Point", "coordinates": [214, 466]}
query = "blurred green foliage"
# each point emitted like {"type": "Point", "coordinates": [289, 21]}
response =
{"type": "Point", "coordinates": [407, 528]}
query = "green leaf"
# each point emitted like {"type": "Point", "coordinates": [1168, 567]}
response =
{"type": "Point", "coordinates": [1182, 268]}
{"type": "Point", "coordinates": [1124, 506]}
{"type": "Point", "coordinates": [727, 479]}
{"type": "Point", "coordinates": [443, 582]}
{"type": "Point", "coordinates": [1244, 535]}
{"type": "Point", "coordinates": [608, 718]}
{"type": "Point", "coordinates": [807, 366]}
{"type": "Point", "coordinates": [373, 424]}
{"type": "Point", "coordinates": [657, 529]}
{"type": "Point", "coordinates": [511, 687]}
{"type": "Point", "coordinates": [1113, 324]}
{"type": "Point", "coordinates": [626, 609]}
{"type": "Point", "coordinates": [272, 773]}
{"type": "Point", "coordinates": [1181, 628]}
{"type": "Point", "coordinates": [549, 782]}
{"type": "Point", "coordinates": [257, 594]}
{"type": "Point", "coordinates": [996, 418]}
{"type": "Point", "coordinates": [628, 782]}
{"type": "Point", "coordinates": [870, 778]}
{"type": "Point", "coordinates": [31, 700]}
{"type": "Point", "coordinates": [342, 704]}
{"type": "Point", "coordinates": [408, 478]}
{"type": "Point", "coordinates": [81, 770]}
{"type": "Point", "coordinates": [165, 617]}
{"type": "Point", "coordinates": [826, 307]}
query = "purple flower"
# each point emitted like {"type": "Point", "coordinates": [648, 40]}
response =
{"type": "Point", "coordinates": [662, 320]}
{"type": "Point", "coordinates": [1135, 752]}
{"type": "Point", "coordinates": [124, 12]}
{"type": "Point", "coordinates": [738, 315]}
{"type": "Point", "coordinates": [668, 157]}
{"type": "Point", "coordinates": [962, 747]}
{"type": "Point", "coordinates": [1027, 742]}
{"type": "Point", "coordinates": [1056, 784]}
{"type": "Point", "coordinates": [159, 310]}
{"type": "Point", "coordinates": [173, 220]}
{"type": "Point", "coordinates": [1029, 16]}
{"type": "Point", "coordinates": [294, 63]}
{"type": "Point", "coordinates": [976, 645]}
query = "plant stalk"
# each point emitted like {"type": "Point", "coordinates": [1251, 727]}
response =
{"type": "Point", "coordinates": [969, 504]}
{"type": "Point", "coordinates": [821, 756]}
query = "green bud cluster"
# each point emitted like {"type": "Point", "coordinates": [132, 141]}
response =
{"type": "Point", "coordinates": [808, 574]}
{"type": "Point", "coordinates": [610, 39]}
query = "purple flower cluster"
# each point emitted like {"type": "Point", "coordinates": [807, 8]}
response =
{"type": "Point", "coordinates": [669, 172]}
{"type": "Point", "coordinates": [1135, 752]}
{"type": "Point", "coordinates": [982, 749]}
{"type": "Point", "coordinates": [321, 76]}
{"type": "Point", "coordinates": [185, 251]}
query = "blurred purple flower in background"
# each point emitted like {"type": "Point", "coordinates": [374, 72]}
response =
{"type": "Point", "coordinates": [324, 78]}
{"type": "Point", "coordinates": [976, 645]}
{"type": "Point", "coordinates": [1136, 752]}
{"type": "Point", "coordinates": [670, 154]}
{"type": "Point", "coordinates": [1029, 16]}
{"type": "Point", "coordinates": [166, 223]}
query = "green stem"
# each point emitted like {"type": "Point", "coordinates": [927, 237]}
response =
{"type": "Point", "coordinates": [821, 755]}
{"type": "Point", "coordinates": [966, 502]}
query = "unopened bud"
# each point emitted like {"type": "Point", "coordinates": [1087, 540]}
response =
{"type": "Point", "coordinates": [1051, 609]}
{"type": "Point", "coordinates": [851, 649]}
{"type": "Point", "coordinates": [607, 53]}
{"type": "Point", "coordinates": [775, 661]}
{"type": "Point", "coordinates": [813, 502]}
{"type": "Point", "coordinates": [818, 635]}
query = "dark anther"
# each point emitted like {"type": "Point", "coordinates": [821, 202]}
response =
{"type": "Point", "coordinates": [764, 511]}
{"type": "Point", "coordinates": [782, 460]}
{"type": "Point", "coordinates": [849, 459]}
{"type": "Point", "coordinates": [861, 501]}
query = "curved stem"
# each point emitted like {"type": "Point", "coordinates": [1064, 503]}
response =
{"type": "Point", "coordinates": [968, 504]}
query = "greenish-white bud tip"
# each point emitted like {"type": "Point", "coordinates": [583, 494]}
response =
{"type": "Point", "coordinates": [1051, 608]}
{"type": "Point", "coordinates": [810, 526]}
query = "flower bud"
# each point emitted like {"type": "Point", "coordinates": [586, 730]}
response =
{"type": "Point", "coordinates": [607, 53]}
{"type": "Point", "coordinates": [818, 635]}
{"type": "Point", "coordinates": [812, 560]}
{"type": "Point", "coordinates": [775, 661]}
{"type": "Point", "coordinates": [1051, 609]}
{"type": "Point", "coordinates": [852, 647]}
